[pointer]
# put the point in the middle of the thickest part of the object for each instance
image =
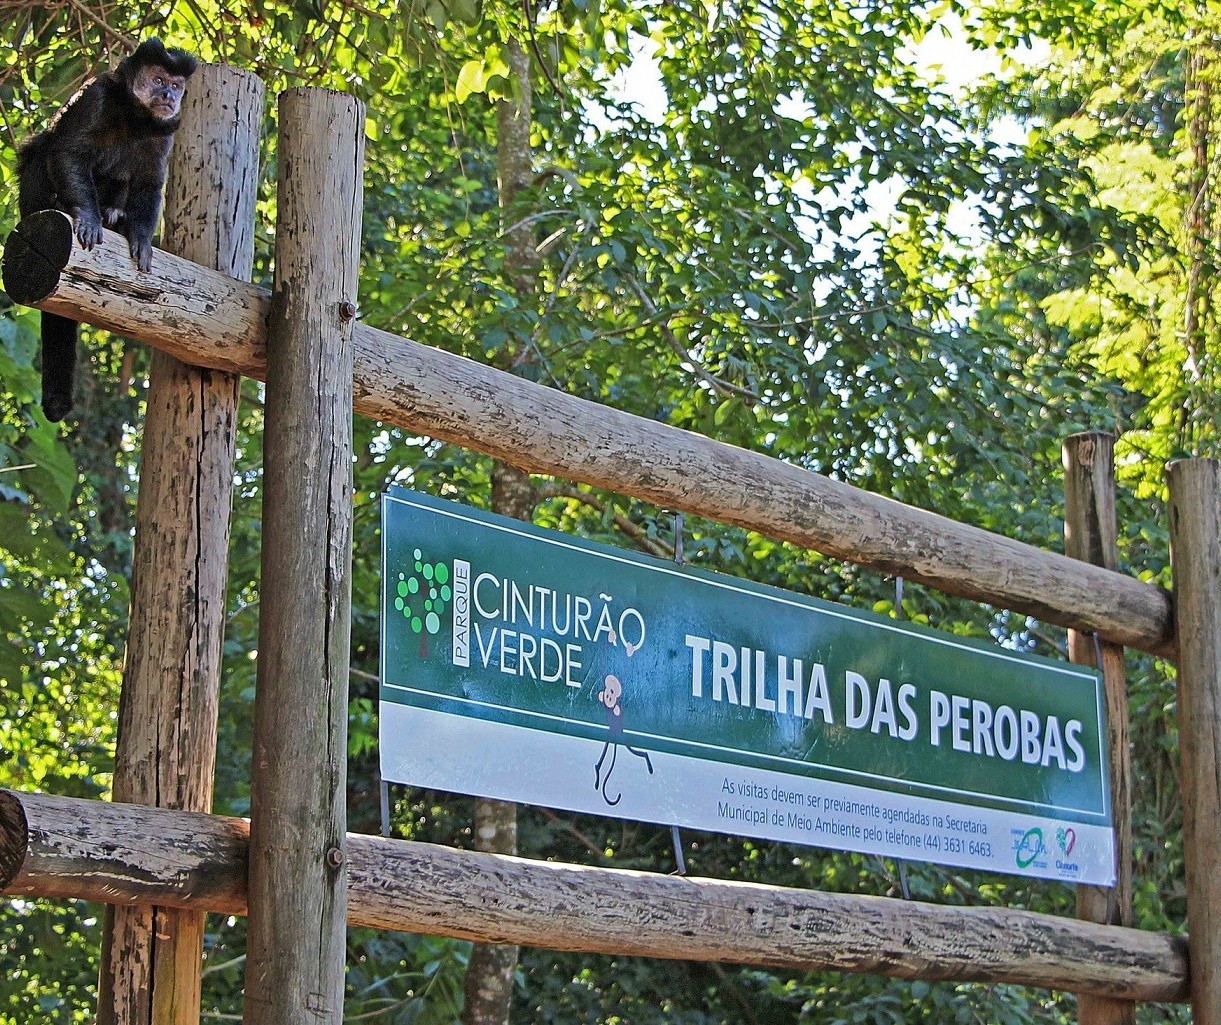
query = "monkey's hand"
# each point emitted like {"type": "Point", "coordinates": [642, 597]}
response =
{"type": "Point", "coordinates": [88, 228]}
{"type": "Point", "coordinates": [142, 253]}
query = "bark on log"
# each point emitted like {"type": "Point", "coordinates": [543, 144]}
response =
{"type": "Point", "coordinates": [1195, 545]}
{"type": "Point", "coordinates": [209, 319]}
{"type": "Point", "coordinates": [94, 850]}
{"type": "Point", "coordinates": [166, 753]}
{"type": "Point", "coordinates": [1090, 534]}
{"type": "Point", "coordinates": [295, 951]}
{"type": "Point", "coordinates": [172, 303]}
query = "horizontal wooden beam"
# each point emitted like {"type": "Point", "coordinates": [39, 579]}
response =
{"type": "Point", "coordinates": [128, 854]}
{"type": "Point", "coordinates": [208, 319]}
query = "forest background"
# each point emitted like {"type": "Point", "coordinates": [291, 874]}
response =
{"type": "Point", "coordinates": [810, 245]}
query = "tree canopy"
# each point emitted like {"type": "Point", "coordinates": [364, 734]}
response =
{"type": "Point", "coordinates": [798, 238]}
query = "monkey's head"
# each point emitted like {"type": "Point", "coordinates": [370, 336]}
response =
{"type": "Point", "coordinates": [156, 78]}
{"type": "Point", "coordinates": [612, 690]}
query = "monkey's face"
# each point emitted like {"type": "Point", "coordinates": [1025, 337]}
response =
{"type": "Point", "coordinates": [159, 91]}
{"type": "Point", "coordinates": [612, 689]}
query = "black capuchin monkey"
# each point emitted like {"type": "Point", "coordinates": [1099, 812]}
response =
{"type": "Point", "coordinates": [103, 160]}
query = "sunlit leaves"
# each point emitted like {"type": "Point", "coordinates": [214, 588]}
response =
{"type": "Point", "coordinates": [489, 75]}
{"type": "Point", "coordinates": [801, 244]}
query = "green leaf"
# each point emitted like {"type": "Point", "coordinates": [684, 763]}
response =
{"type": "Point", "coordinates": [53, 477]}
{"type": "Point", "coordinates": [465, 12]}
{"type": "Point", "coordinates": [470, 80]}
{"type": "Point", "coordinates": [16, 531]}
{"type": "Point", "coordinates": [437, 14]}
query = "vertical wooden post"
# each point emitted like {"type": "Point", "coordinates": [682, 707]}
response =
{"type": "Point", "coordinates": [1090, 535]}
{"type": "Point", "coordinates": [1195, 546]}
{"type": "Point", "coordinates": [298, 879]}
{"type": "Point", "coordinates": [166, 754]}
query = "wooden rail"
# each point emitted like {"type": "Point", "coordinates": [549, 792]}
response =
{"type": "Point", "coordinates": [209, 319]}
{"type": "Point", "coordinates": [129, 854]}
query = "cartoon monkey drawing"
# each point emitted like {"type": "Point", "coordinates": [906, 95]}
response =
{"type": "Point", "coordinates": [610, 695]}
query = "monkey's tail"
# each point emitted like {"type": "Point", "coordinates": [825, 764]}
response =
{"type": "Point", "coordinates": [58, 365]}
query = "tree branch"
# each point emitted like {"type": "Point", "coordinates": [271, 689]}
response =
{"type": "Point", "coordinates": [700, 371]}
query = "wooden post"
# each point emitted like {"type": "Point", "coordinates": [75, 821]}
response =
{"type": "Point", "coordinates": [1090, 535]}
{"type": "Point", "coordinates": [298, 876]}
{"type": "Point", "coordinates": [1195, 545]}
{"type": "Point", "coordinates": [166, 754]}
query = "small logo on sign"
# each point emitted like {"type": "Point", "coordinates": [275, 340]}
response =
{"type": "Point", "coordinates": [422, 593]}
{"type": "Point", "coordinates": [1029, 847]}
{"type": "Point", "coordinates": [1067, 839]}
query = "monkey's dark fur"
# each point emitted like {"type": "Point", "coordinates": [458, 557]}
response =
{"type": "Point", "coordinates": [103, 160]}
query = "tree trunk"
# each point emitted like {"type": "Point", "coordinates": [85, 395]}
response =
{"type": "Point", "coordinates": [1198, 95]}
{"type": "Point", "coordinates": [1200, 417]}
{"type": "Point", "coordinates": [489, 976]}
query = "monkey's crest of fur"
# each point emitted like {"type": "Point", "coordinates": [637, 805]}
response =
{"type": "Point", "coordinates": [153, 51]}
{"type": "Point", "coordinates": [150, 52]}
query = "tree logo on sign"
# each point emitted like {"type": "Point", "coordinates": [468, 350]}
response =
{"type": "Point", "coordinates": [422, 593]}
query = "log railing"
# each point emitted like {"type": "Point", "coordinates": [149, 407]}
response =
{"type": "Point", "coordinates": [69, 847]}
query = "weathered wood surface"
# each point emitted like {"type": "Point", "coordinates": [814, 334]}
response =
{"type": "Point", "coordinates": [94, 850]}
{"type": "Point", "coordinates": [1090, 534]}
{"type": "Point", "coordinates": [1195, 545]}
{"type": "Point", "coordinates": [166, 751]}
{"type": "Point", "coordinates": [209, 319]}
{"type": "Point", "coordinates": [172, 303]}
{"type": "Point", "coordinates": [296, 938]}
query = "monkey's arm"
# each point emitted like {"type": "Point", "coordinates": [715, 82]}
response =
{"type": "Point", "coordinates": [114, 207]}
{"type": "Point", "coordinates": [71, 147]}
{"type": "Point", "coordinates": [73, 181]}
{"type": "Point", "coordinates": [142, 211]}
{"type": "Point", "coordinates": [147, 164]}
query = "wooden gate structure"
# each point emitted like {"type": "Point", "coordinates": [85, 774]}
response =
{"type": "Point", "coordinates": [161, 861]}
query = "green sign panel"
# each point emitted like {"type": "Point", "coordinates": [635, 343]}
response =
{"type": "Point", "coordinates": [526, 665]}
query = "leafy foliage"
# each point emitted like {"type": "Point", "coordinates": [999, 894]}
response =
{"type": "Point", "coordinates": [805, 245]}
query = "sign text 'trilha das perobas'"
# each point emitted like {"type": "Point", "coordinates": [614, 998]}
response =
{"type": "Point", "coordinates": [525, 665]}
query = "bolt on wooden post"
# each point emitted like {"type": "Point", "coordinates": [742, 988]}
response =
{"type": "Point", "coordinates": [166, 754]}
{"type": "Point", "coordinates": [298, 876]}
{"type": "Point", "coordinates": [1195, 552]}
